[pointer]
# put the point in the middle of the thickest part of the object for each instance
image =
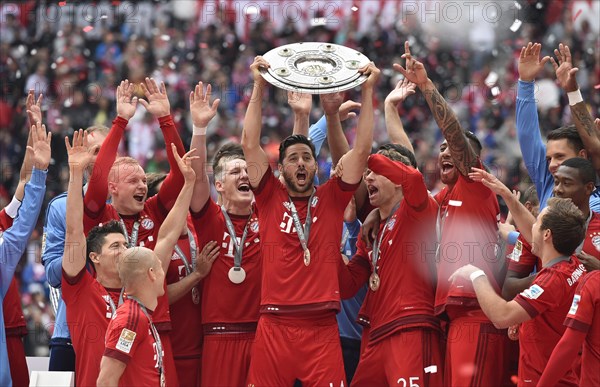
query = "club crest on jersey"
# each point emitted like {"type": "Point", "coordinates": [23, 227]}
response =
{"type": "Point", "coordinates": [595, 239]}
{"type": "Point", "coordinates": [126, 340]}
{"type": "Point", "coordinates": [533, 292]}
{"type": "Point", "coordinates": [575, 304]}
{"type": "Point", "coordinates": [315, 201]}
{"type": "Point", "coordinates": [147, 223]}
{"type": "Point", "coordinates": [392, 223]}
{"type": "Point", "coordinates": [254, 226]}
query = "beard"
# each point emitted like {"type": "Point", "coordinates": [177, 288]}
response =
{"type": "Point", "coordinates": [293, 186]}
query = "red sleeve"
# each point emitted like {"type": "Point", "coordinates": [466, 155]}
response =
{"type": "Point", "coordinates": [5, 221]}
{"type": "Point", "coordinates": [173, 184]}
{"type": "Point", "coordinates": [545, 293]}
{"type": "Point", "coordinates": [356, 273]}
{"type": "Point", "coordinates": [125, 333]}
{"type": "Point", "coordinates": [72, 286]}
{"type": "Point", "coordinates": [97, 192]}
{"type": "Point", "coordinates": [411, 180]}
{"type": "Point", "coordinates": [265, 188]}
{"type": "Point", "coordinates": [562, 357]}
{"type": "Point", "coordinates": [521, 259]}
{"type": "Point", "coordinates": [581, 313]}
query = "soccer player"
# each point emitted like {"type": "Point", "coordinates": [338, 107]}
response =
{"type": "Point", "coordinates": [574, 179]}
{"type": "Point", "coordinates": [139, 215]}
{"type": "Point", "coordinates": [231, 292]}
{"type": "Point", "coordinates": [62, 355]}
{"type": "Point", "coordinates": [467, 230]}
{"type": "Point", "coordinates": [583, 329]}
{"type": "Point", "coordinates": [541, 308]}
{"type": "Point", "coordinates": [143, 281]}
{"type": "Point", "coordinates": [14, 240]}
{"type": "Point", "coordinates": [134, 354]}
{"type": "Point", "coordinates": [562, 143]}
{"type": "Point", "coordinates": [300, 239]}
{"type": "Point", "coordinates": [400, 269]}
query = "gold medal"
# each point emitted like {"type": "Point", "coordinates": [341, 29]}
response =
{"type": "Point", "coordinates": [237, 275]}
{"type": "Point", "coordinates": [374, 281]}
{"type": "Point", "coordinates": [306, 257]}
{"type": "Point", "coordinates": [195, 296]}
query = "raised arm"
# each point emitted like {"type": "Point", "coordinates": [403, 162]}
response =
{"type": "Point", "coordinates": [412, 182]}
{"type": "Point", "coordinates": [202, 112]}
{"type": "Point", "coordinates": [462, 153]}
{"type": "Point", "coordinates": [14, 240]}
{"type": "Point", "coordinates": [301, 103]}
{"type": "Point", "coordinates": [159, 106]}
{"type": "Point", "coordinates": [523, 218]}
{"type": "Point", "coordinates": [527, 122]}
{"type": "Point", "coordinates": [80, 156]}
{"type": "Point", "coordinates": [352, 165]}
{"type": "Point", "coordinates": [34, 112]}
{"type": "Point", "coordinates": [336, 139]}
{"type": "Point", "coordinates": [171, 228]}
{"type": "Point", "coordinates": [565, 74]}
{"type": "Point", "coordinates": [256, 158]}
{"type": "Point", "coordinates": [393, 123]}
{"type": "Point", "coordinates": [318, 131]}
{"type": "Point", "coordinates": [95, 197]}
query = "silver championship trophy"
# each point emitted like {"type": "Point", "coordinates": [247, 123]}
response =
{"type": "Point", "coordinates": [314, 68]}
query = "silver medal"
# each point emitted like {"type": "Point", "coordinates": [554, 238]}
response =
{"type": "Point", "coordinates": [237, 275]}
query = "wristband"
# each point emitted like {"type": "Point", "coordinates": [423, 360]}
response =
{"type": "Point", "coordinates": [574, 97]}
{"type": "Point", "coordinates": [13, 207]}
{"type": "Point", "coordinates": [198, 131]}
{"type": "Point", "coordinates": [476, 274]}
{"type": "Point", "coordinates": [512, 237]}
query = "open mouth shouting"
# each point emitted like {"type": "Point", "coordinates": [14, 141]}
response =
{"type": "Point", "coordinates": [447, 166]}
{"type": "Point", "coordinates": [302, 176]}
{"type": "Point", "coordinates": [139, 197]}
{"type": "Point", "coordinates": [373, 191]}
{"type": "Point", "coordinates": [243, 187]}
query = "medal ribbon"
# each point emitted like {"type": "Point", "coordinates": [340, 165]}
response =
{"type": "Point", "coordinates": [377, 242]}
{"type": "Point", "coordinates": [344, 240]}
{"type": "Point", "coordinates": [113, 308]}
{"type": "Point", "coordinates": [193, 253]}
{"type": "Point", "coordinates": [302, 231]}
{"type": "Point", "coordinates": [155, 335]}
{"type": "Point", "coordinates": [239, 248]}
{"type": "Point", "coordinates": [131, 240]}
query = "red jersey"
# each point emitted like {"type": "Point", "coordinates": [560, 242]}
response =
{"type": "Point", "coordinates": [129, 339]}
{"type": "Point", "coordinates": [584, 316]}
{"type": "Point", "coordinates": [148, 224]}
{"type": "Point", "coordinates": [222, 300]}
{"type": "Point", "coordinates": [186, 337]}
{"type": "Point", "coordinates": [287, 283]}
{"type": "Point", "coordinates": [522, 260]}
{"type": "Point", "coordinates": [406, 264]}
{"type": "Point", "coordinates": [469, 217]}
{"type": "Point", "coordinates": [14, 321]}
{"type": "Point", "coordinates": [88, 314]}
{"type": "Point", "coordinates": [547, 301]}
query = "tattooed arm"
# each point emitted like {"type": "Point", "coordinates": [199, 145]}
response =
{"type": "Point", "coordinates": [565, 74]}
{"type": "Point", "coordinates": [462, 153]}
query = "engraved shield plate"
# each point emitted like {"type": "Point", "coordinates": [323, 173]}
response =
{"type": "Point", "coordinates": [314, 67]}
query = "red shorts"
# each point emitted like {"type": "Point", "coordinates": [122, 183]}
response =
{"type": "Point", "coordinates": [289, 348]}
{"type": "Point", "coordinates": [476, 352]}
{"type": "Point", "coordinates": [18, 364]}
{"type": "Point", "coordinates": [408, 358]}
{"type": "Point", "coordinates": [226, 359]}
{"type": "Point", "coordinates": [170, 369]}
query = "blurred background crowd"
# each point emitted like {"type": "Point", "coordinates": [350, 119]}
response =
{"type": "Point", "coordinates": [75, 53]}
